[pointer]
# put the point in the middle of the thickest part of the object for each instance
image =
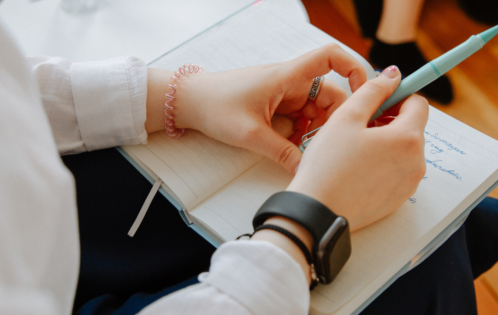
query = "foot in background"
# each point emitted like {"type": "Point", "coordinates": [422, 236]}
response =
{"type": "Point", "coordinates": [483, 11]}
{"type": "Point", "coordinates": [368, 13]}
{"type": "Point", "coordinates": [408, 58]}
{"type": "Point", "coordinates": [393, 25]}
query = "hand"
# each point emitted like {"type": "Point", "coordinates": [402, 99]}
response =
{"type": "Point", "coordinates": [236, 107]}
{"type": "Point", "coordinates": [365, 174]}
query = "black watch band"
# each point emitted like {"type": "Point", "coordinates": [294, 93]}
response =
{"type": "Point", "coordinates": [332, 244]}
{"type": "Point", "coordinates": [311, 214]}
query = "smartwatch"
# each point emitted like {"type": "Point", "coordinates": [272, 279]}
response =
{"type": "Point", "coordinates": [332, 243]}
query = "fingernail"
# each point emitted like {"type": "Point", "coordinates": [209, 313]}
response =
{"type": "Point", "coordinates": [391, 72]}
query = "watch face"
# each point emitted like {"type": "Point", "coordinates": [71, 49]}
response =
{"type": "Point", "coordinates": [333, 251]}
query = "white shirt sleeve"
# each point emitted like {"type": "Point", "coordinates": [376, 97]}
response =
{"type": "Point", "coordinates": [93, 105]}
{"type": "Point", "coordinates": [246, 277]}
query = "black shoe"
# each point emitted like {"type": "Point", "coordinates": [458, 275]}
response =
{"type": "Point", "coordinates": [368, 13]}
{"type": "Point", "coordinates": [483, 11]}
{"type": "Point", "coordinates": [408, 58]}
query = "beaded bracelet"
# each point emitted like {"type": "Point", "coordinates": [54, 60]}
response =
{"type": "Point", "coordinates": [169, 117]}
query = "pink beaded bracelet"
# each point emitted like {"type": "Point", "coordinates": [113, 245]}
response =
{"type": "Point", "coordinates": [169, 119]}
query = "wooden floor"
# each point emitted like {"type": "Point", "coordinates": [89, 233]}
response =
{"type": "Point", "coordinates": [475, 81]}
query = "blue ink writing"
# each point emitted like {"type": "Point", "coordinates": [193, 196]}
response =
{"type": "Point", "coordinates": [439, 167]}
{"type": "Point", "coordinates": [450, 146]}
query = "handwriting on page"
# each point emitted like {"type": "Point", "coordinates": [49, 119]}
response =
{"type": "Point", "coordinates": [458, 161]}
{"type": "Point", "coordinates": [436, 145]}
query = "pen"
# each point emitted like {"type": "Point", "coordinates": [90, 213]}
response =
{"type": "Point", "coordinates": [436, 68]}
{"type": "Point", "coordinates": [428, 73]}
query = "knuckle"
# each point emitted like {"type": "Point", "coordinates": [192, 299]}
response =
{"type": "Point", "coordinates": [419, 99]}
{"type": "Point", "coordinates": [332, 47]}
{"type": "Point", "coordinates": [411, 142]}
{"type": "Point", "coordinates": [250, 133]}
{"type": "Point", "coordinates": [420, 171]}
{"type": "Point", "coordinates": [283, 154]}
{"type": "Point", "coordinates": [374, 86]}
{"type": "Point", "coordinates": [414, 152]}
{"type": "Point", "coordinates": [416, 175]}
{"type": "Point", "coordinates": [342, 96]}
{"type": "Point", "coordinates": [413, 139]}
{"type": "Point", "coordinates": [355, 113]}
{"type": "Point", "coordinates": [357, 68]}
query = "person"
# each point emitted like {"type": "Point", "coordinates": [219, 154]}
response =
{"type": "Point", "coordinates": [393, 25]}
{"type": "Point", "coordinates": [53, 106]}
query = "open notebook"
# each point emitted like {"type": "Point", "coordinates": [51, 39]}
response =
{"type": "Point", "coordinates": [219, 188]}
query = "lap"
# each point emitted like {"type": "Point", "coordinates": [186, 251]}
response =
{"type": "Point", "coordinates": [164, 251]}
{"type": "Point", "coordinates": [121, 275]}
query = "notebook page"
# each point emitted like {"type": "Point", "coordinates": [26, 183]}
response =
{"type": "Point", "coordinates": [461, 164]}
{"type": "Point", "coordinates": [230, 211]}
{"type": "Point", "coordinates": [194, 166]}
{"type": "Point", "coordinates": [253, 37]}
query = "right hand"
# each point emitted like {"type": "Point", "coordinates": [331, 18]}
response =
{"type": "Point", "coordinates": [365, 174]}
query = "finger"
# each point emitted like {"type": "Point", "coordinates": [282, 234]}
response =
{"type": "Point", "coordinates": [331, 57]}
{"type": "Point", "coordinates": [300, 128]}
{"type": "Point", "coordinates": [330, 97]}
{"type": "Point", "coordinates": [413, 113]}
{"type": "Point", "coordinates": [295, 115]}
{"type": "Point", "coordinates": [317, 122]}
{"type": "Point", "coordinates": [364, 102]}
{"type": "Point", "coordinates": [311, 111]}
{"type": "Point", "coordinates": [278, 148]}
{"type": "Point", "coordinates": [393, 111]}
{"type": "Point", "coordinates": [315, 115]}
{"type": "Point", "coordinates": [282, 125]}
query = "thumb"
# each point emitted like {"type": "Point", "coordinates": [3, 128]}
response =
{"type": "Point", "coordinates": [279, 149]}
{"type": "Point", "coordinates": [364, 102]}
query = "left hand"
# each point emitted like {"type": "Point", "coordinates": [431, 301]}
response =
{"type": "Point", "coordinates": [236, 107]}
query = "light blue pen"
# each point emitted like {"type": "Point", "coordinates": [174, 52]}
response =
{"type": "Point", "coordinates": [428, 73]}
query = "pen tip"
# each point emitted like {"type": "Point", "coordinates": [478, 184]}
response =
{"type": "Point", "coordinates": [488, 34]}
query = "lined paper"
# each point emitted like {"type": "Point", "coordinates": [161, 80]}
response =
{"type": "Point", "coordinates": [224, 188]}
{"type": "Point", "coordinates": [461, 165]}
{"type": "Point", "coordinates": [194, 167]}
{"type": "Point", "coordinates": [230, 211]}
{"type": "Point", "coordinates": [255, 37]}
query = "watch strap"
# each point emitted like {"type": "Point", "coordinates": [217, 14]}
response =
{"type": "Point", "coordinates": [292, 237]}
{"type": "Point", "coordinates": [309, 213]}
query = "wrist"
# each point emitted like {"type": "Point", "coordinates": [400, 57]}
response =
{"type": "Point", "coordinates": [322, 195]}
{"type": "Point", "coordinates": [287, 244]}
{"type": "Point", "coordinates": [330, 232]}
{"type": "Point", "coordinates": [157, 87]}
{"type": "Point", "coordinates": [188, 100]}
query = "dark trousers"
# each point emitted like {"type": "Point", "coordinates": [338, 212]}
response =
{"type": "Point", "coordinates": [122, 275]}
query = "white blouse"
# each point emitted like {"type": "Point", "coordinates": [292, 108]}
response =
{"type": "Point", "coordinates": [50, 106]}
